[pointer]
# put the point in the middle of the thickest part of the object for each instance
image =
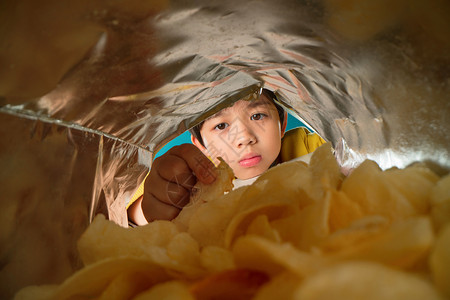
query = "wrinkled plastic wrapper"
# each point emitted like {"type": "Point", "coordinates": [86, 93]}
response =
{"type": "Point", "coordinates": [90, 91]}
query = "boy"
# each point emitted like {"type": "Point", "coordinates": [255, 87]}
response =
{"type": "Point", "coordinates": [247, 135]}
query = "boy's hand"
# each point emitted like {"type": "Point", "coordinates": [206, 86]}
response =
{"type": "Point", "coordinates": [168, 187]}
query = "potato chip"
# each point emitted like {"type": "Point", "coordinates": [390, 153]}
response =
{"type": "Point", "coordinates": [32, 292]}
{"type": "Point", "coordinates": [440, 261]}
{"type": "Point", "coordinates": [365, 280]}
{"type": "Point", "coordinates": [204, 193]}
{"type": "Point", "coordinates": [207, 215]}
{"type": "Point", "coordinates": [158, 242]}
{"type": "Point", "coordinates": [257, 253]}
{"type": "Point", "coordinates": [440, 202]}
{"type": "Point", "coordinates": [171, 290]}
{"type": "Point", "coordinates": [325, 172]}
{"type": "Point", "coordinates": [208, 224]}
{"type": "Point", "coordinates": [271, 196]}
{"type": "Point", "coordinates": [239, 224]}
{"type": "Point", "coordinates": [236, 284]}
{"type": "Point", "coordinates": [260, 226]}
{"type": "Point", "coordinates": [105, 239]}
{"type": "Point", "coordinates": [284, 190]}
{"type": "Point", "coordinates": [187, 214]}
{"type": "Point", "coordinates": [290, 180]}
{"type": "Point", "coordinates": [306, 228]}
{"type": "Point", "coordinates": [403, 244]}
{"type": "Point", "coordinates": [184, 251]}
{"type": "Point", "coordinates": [125, 286]}
{"type": "Point", "coordinates": [92, 280]}
{"type": "Point", "coordinates": [216, 259]}
{"type": "Point", "coordinates": [293, 176]}
{"type": "Point", "coordinates": [282, 286]}
{"type": "Point", "coordinates": [356, 233]}
{"type": "Point", "coordinates": [299, 232]}
{"type": "Point", "coordinates": [414, 183]}
{"type": "Point", "coordinates": [343, 210]}
{"type": "Point", "coordinates": [376, 193]}
{"type": "Point", "coordinates": [223, 184]}
{"type": "Point", "coordinates": [183, 247]}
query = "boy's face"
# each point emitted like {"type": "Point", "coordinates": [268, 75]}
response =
{"type": "Point", "coordinates": [247, 136]}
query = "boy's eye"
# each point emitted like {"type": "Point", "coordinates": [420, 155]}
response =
{"type": "Point", "coordinates": [221, 126]}
{"type": "Point", "coordinates": [256, 117]}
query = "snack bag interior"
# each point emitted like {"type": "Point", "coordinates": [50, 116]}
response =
{"type": "Point", "coordinates": [92, 91]}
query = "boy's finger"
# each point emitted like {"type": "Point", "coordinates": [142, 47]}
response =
{"type": "Point", "coordinates": [170, 193]}
{"type": "Point", "coordinates": [186, 180]}
{"type": "Point", "coordinates": [202, 167]}
{"type": "Point", "coordinates": [154, 209]}
{"type": "Point", "coordinates": [175, 169]}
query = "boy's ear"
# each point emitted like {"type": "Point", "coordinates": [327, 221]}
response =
{"type": "Point", "coordinates": [283, 126]}
{"type": "Point", "coordinates": [199, 145]}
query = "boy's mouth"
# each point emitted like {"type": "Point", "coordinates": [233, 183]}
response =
{"type": "Point", "coordinates": [250, 160]}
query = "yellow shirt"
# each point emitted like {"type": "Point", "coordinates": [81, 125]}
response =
{"type": "Point", "coordinates": [296, 142]}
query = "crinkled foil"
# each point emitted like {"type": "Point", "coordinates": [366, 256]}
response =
{"type": "Point", "coordinates": [90, 90]}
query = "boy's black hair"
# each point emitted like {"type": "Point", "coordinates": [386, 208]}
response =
{"type": "Point", "coordinates": [195, 131]}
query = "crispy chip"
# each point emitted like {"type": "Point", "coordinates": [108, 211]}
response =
{"type": "Point", "coordinates": [216, 259]}
{"type": "Point", "coordinates": [32, 292]}
{"type": "Point", "coordinates": [125, 286]}
{"type": "Point", "coordinates": [298, 232]}
{"type": "Point", "coordinates": [376, 193]}
{"type": "Point", "coordinates": [403, 244]}
{"type": "Point", "coordinates": [414, 183]}
{"type": "Point", "coordinates": [291, 180]}
{"type": "Point", "coordinates": [293, 176]}
{"type": "Point", "coordinates": [440, 261]}
{"type": "Point", "coordinates": [204, 193]}
{"type": "Point", "coordinates": [171, 290]}
{"type": "Point", "coordinates": [440, 202]}
{"type": "Point", "coordinates": [222, 184]}
{"type": "Point", "coordinates": [343, 210]}
{"type": "Point", "coordinates": [257, 253]}
{"type": "Point", "coordinates": [307, 228]}
{"type": "Point", "coordinates": [260, 226]}
{"type": "Point", "coordinates": [364, 280]}
{"type": "Point", "coordinates": [239, 224]}
{"type": "Point", "coordinates": [276, 198]}
{"type": "Point", "coordinates": [104, 239]}
{"type": "Point", "coordinates": [208, 224]}
{"type": "Point", "coordinates": [185, 253]}
{"type": "Point", "coordinates": [93, 280]}
{"type": "Point", "coordinates": [236, 284]}
{"type": "Point", "coordinates": [325, 172]}
{"type": "Point", "coordinates": [283, 286]}
{"type": "Point", "coordinates": [158, 242]}
{"type": "Point", "coordinates": [362, 229]}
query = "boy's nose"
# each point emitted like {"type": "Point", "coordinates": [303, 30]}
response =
{"type": "Point", "coordinates": [245, 137]}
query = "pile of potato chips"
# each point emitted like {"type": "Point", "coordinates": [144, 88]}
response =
{"type": "Point", "coordinates": [299, 232]}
